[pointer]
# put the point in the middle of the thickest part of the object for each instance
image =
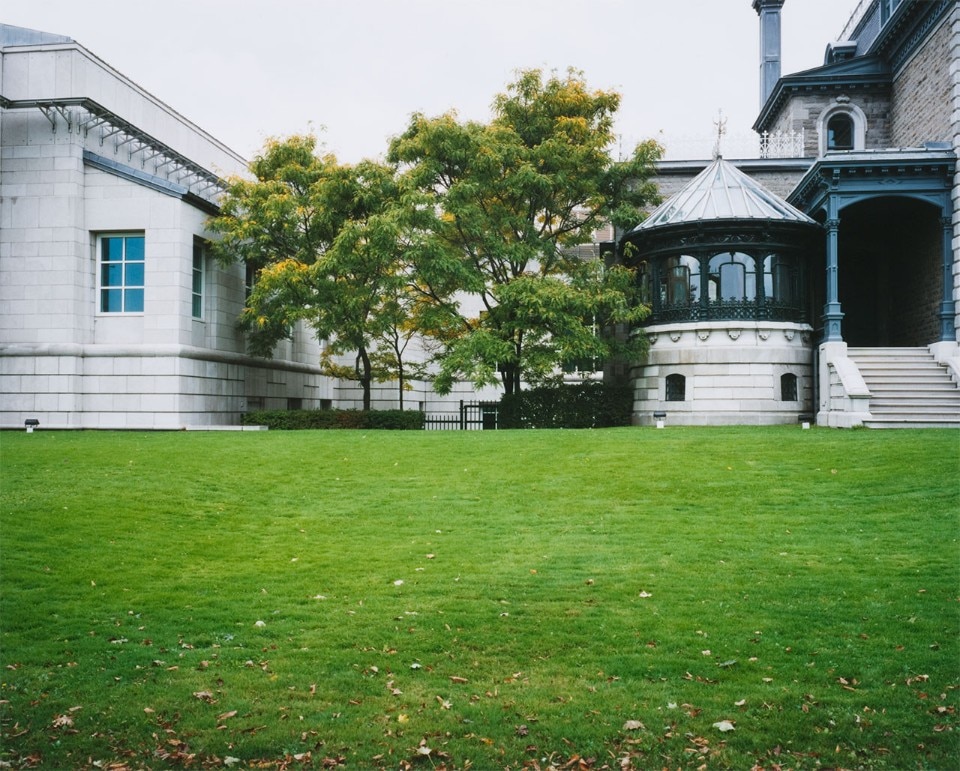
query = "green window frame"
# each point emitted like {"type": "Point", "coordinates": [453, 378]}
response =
{"type": "Point", "coordinates": [122, 273]}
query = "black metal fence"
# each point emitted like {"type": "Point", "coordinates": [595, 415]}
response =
{"type": "Point", "coordinates": [472, 416]}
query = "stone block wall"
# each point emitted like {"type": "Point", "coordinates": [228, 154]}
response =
{"type": "Point", "coordinates": [732, 373]}
{"type": "Point", "coordinates": [804, 108]}
{"type": "Point", "coordinates": [922, 89]}
{"type": "Point", "coordinates": [953, 54]}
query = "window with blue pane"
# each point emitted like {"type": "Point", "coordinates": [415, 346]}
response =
{"type": "Point", "coordinates": [121, 274]}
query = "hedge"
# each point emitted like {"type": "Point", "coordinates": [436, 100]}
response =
{"type": "Point", "coordinates": [293, 420]}
{"type": "Point", "coordinates": [586, 405]}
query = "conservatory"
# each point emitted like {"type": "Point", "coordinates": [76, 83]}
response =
{"type": "Point", "coordinates": [724, 267]}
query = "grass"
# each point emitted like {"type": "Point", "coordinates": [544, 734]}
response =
{"type": "Point", "coordinates": [481, 599]}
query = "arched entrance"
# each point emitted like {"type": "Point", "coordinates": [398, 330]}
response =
{"type": "Point", "coordinates": [890, 272]}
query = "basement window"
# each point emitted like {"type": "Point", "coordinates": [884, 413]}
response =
{"type": "Point", "coordinates": [676, 388]}
{"type": "Point", "coordinates": [788, 387]}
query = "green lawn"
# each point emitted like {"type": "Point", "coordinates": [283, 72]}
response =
{"type": "Point", "coordinates": [481, 600]}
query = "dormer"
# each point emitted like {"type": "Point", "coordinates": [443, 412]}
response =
{"type": "Point", "coordinates": [840, 51]}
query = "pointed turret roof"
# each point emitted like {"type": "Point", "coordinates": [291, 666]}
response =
{"type": "Point", "coordinates": [722, 192]}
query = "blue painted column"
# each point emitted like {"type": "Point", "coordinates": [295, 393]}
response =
{"type": "Point", "coordinates": [947, 306]}
{"type": "Point", "coordinates": [832, 315]}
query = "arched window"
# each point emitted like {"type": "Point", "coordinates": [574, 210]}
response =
{"type": "Point", "coordinates": [732, 277]}
{"type": "Point", "coordinates": [840, 132]}
{"type": "Point", "coordinates": [842, 126]}
{"type": "Point", "coordinates": [780, 279]}
{"type": "Point", "coordinates": [788, 387]}
{"type": "Point", "coordinates": [679, 281]}
{"type": "Point", "coordinates": [643, 281]}
{"type": "Point", "coordinates": [676, 388]}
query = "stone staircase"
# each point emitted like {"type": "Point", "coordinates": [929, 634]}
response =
{"type": "Point", "coordinates": [908, 388]}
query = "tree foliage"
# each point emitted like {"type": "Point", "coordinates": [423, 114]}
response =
{"type": "Point", "coordinates": [324, 241]}
{"type": "Point", "coordinates": [500, 206]}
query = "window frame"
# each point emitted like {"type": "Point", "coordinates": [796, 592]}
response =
{"type": "Point", "coordinates": [128, 289]}
{"type": "Point", "coordinates": [858, 120]}
{"type": "Point", "coordinates": [723, 264]}
{"type": "Point", "coordinates": [198, 282]}
{"type": "Point", "coordinates": [675, 387]}
{"type": "Point", "coordinates": [848, 131]}
{"type": "Point", "coordinates": [789, 387]}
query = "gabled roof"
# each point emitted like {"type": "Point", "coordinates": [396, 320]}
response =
{"type": "Point", "coordinates": [859, 72]}
{"type": "Point", "coordinates": [722, 192]}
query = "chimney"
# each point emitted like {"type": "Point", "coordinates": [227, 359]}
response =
{"type": "Point", "coordinates": [769, 12]}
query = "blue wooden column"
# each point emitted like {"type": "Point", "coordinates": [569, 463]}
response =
{"type": "Point", "coordinates": [947, 305]}
{"type": "Point", "coordinates": [832, 315]}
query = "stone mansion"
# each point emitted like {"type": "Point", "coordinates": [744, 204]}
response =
{"type": "Point", "coordinates": [818, 281]}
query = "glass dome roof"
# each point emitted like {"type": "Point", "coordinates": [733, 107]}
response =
{"type": "Point", "coordinates": [722, 192]}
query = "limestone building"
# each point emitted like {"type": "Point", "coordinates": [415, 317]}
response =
{"type": "Point", "coordinates": [111, 313]}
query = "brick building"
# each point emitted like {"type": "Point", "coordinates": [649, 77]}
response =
{"type": "Point", "coordinates": [877, 133]}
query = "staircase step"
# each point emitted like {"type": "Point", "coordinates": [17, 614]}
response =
{"type": "Point", "coordinates": [909, 389]}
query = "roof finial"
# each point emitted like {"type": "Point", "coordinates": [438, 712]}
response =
{"type": "Point", "coordinates": [721, 124]}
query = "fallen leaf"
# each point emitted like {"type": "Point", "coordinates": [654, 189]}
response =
{"type": "Point", "coordinates": [226, 715]}
{"type": "Point", "coordinates": [634, 725]}
{"type": "Point", "coordinates": [724, 725]}
{"type": "Point", "coordinates": [204, 696]}
{"type": "Point", "coordinates": [461, 680]}
{"type": "Point", "coordinates": [645, 595]}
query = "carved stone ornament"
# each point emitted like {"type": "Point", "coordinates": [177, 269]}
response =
{"type": "Point", "coordinates": [763, 334]}
{"type": "Point", "coordinates": [789, 334]}
{"type": "Point", "coordinates": [675, 336]}
{"type": "Point", "coordinates": [652, 337]}
{"type": "Point", "coordinates": [734, 334]}
{"type": "Point", "coordinates": [703, 334]}
{"type": "Point", "coordinates": [805, 336]}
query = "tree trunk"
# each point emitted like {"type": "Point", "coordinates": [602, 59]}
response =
{"type": "Point", "coordinates": [364, 376]}
{"type": "Point", "coordinates": [400, 378]}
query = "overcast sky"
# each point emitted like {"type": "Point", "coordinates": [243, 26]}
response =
{"type": "Point", "coordinates": [354, 71]}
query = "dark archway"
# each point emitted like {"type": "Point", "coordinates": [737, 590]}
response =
{"type": "Point", "coordinates": [890, 272]}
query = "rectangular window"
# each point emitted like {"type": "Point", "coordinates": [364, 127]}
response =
{"type": "Point", "coordinates": [121, 273]}
{"type": "Point", "coordinates": [199, 254]}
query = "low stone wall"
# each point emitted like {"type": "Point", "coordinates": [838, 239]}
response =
{"type": "Point", "coordinates": [146, 387]}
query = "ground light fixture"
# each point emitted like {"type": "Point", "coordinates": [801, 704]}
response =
{"type": "Point", "coordinates": [30, 424]}
{"type": "Point", "coordinates": [660, 417]}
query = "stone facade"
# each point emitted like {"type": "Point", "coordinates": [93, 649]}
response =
{"type": "Point", "coordinates": [922, 89]}
{"type": "Point", "coordinates": [804, 110]}
{"type": "Point", "coordinates": [732, 373]}
{"type": "Point", "coordinates": [73, 168]}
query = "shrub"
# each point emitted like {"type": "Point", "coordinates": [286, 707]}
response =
{"type": "Point", "coordinates": [294, 420]}
{"type": "Point", "coordinates": [586, 405]}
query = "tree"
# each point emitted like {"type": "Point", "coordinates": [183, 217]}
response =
{"type": "Point", "coordinates": [324, 241]}
{"type": "Point", "coordinates": [500, 205]}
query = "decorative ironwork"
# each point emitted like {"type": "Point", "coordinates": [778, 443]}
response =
{"type": "Point", "coordinates": [761, 309]}
{"type": "Point", "coordinates": [782, 144]}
